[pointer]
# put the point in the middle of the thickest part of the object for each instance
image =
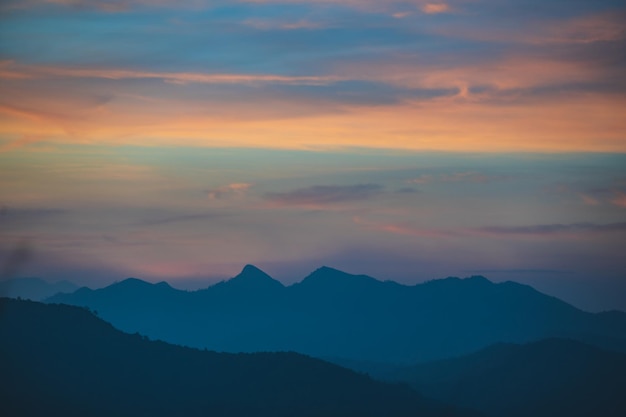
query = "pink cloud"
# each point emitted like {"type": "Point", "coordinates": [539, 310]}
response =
{"type": "Point", "coordinates": [401, 15]}
{"type": "Point", "coordinates": [620, 199]}
{"type": "Point", "coordinates": [589, 200]}
{"type": "Point", "coordinates": [404, 229]}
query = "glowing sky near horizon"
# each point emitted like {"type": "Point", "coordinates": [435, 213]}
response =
{"type": "Point", "coordinates": [408, 140]}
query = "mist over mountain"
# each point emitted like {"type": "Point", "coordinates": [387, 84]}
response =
{"type": "Point", "coordinates": [33, 288]}
{"type": "Point", "coordinates": [552, 377]}
{"type": "Point", "coordinates": [333, 314]}
{"type": "Point", "coordinates": [63, 360]}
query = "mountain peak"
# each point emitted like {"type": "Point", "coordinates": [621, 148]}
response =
{"type": "Point", "coordinates": [138, 285]}
{"type": "Point", "coordinates": [331, 276]}
{"type": "Point", "coordinates": [251, 269]}
{"type": "Point", "coordinates": [254, 278]}
{"type": "Point", "coordinates": [478, 279]}
{"type": "Point", "coordinates": [131, 282]}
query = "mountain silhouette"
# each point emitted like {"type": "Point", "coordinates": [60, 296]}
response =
{"type": "Point", "coordinates": [33, 288]}
{"type": "Point", "coordinates": [63, 360]}
{"type": "Point", "coordinates": [552, 377]}
{"type": "Point", "coordinates": [330, 279]}
{"type": "Point", "coordinates": [333, 314]}
{"type": "Point", "coordinates": [252, 279]}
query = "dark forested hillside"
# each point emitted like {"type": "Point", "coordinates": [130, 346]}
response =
{"type": "Point", "coordinates": [64, 361]}
{"type": "Point", "coordinates": [553, 377]}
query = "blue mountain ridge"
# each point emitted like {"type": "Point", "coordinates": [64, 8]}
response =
{"type": "Point", "coordinates": [335, 314]}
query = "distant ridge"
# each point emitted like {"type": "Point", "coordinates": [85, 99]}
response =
{"type": "Point", "coordinates": [333, 279]}
{"type": "Point", "coordinates": [334, 314]}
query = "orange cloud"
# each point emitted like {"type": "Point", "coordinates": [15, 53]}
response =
{"type": "Point", "coordinates": [546, 125]}
{"type": "Point", "coordinates": [401, 15]}
{"type": "Point", "coordinates": [22, 141]}
{"type": "Point", "coordinates": [9, 69]}
{"type": "Point", "coordinates": [107, 111]}
{"type": "Point", "coordinates": [435, 8]}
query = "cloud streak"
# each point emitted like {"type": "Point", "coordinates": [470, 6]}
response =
{"type": "Point", "coordinates": [321, 195]}
{"type": "Point", "coordinates": [11, 70]}
{"type": "Point", "coordinates": [540, 230]}
{"type": "Point", "coordinates": [468, 176]}
{"type": "Point", "coordinates": [181, 218]}
{"type": "Point", "coordinates": [238, 189]}
{"type": "Point", "coordinates": [469, 76]}
{"type": "Point", "coordinates": [556, 229]}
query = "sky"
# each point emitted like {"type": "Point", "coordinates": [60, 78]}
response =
{"type": "Point", "coordinates": [407, 140]}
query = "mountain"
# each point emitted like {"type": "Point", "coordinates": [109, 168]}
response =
{"type": "Point", "coordinates": [63, 360]}
{"type": "Point", "coordinates": [332, 314]}
{"type": "Point", "coordinates": [250, 281]}
{"type": "Point", "coordinates": [35, 289]}
{"type": "Point", "coordinates": [553, 377]}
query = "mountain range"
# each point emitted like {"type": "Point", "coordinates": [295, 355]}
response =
{"type": "Point", "coordinates": [64, 361]}
{"type": "Point", "coordinates": [333, 314]}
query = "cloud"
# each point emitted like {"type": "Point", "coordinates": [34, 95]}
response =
{"type": "Point", "coordinates": [20, 142]}
{"type": "Point", "coordinates": [104, 5]}
{"type": "Point", "coordinates": [11, 70]}
{"type": "Point", "coordinates": [401, 15]}
{"type": "Point", "coordinates": [604, 27]}
{"type": "Point", "coordinates": [470, 176]}
{"type": "Point", "coordinates": [107, 6]}
{"type": "Point", "coordinates": [271, 24]}
{"type": "Point", "coordinates": [181, 218]}
{"type": "Point", "coordinates": [554, 229]}
{"type": "Point", "coordinates": [518, 271]}
{"type": "Point", "coordinates": [540, 230]}
{"type": "Point", "coordinates": [324, 194]}
{"type": "Point", "coordinates": [589, 200]}
{"type": "Point", "coordinates": [620, 199]}
{"type": "Point", "coordinates": [13, 214]}
{"type": "Point", "coordinates": [612, 194]}
{"type": "Point", "coordinates": [237, 189]}
{"type": "Point", "coordinates": [435, 8]}
{"type": "Point", "coordinates": [407, 190]}
{"type": "Point", "coordinates": [356, 83]}
{"type": "Point", "coordinates": [404, 229]}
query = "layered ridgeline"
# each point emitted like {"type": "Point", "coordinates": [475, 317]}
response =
{"type": "Point", "coordinates": [332, 314]}
{"type": "Point", "coordinates": [64, 361]}
{"type": "Point", "coordinates": [552, 377]}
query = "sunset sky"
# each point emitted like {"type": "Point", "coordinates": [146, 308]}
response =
{"type": "Point", "coordinates": [408, 140]}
